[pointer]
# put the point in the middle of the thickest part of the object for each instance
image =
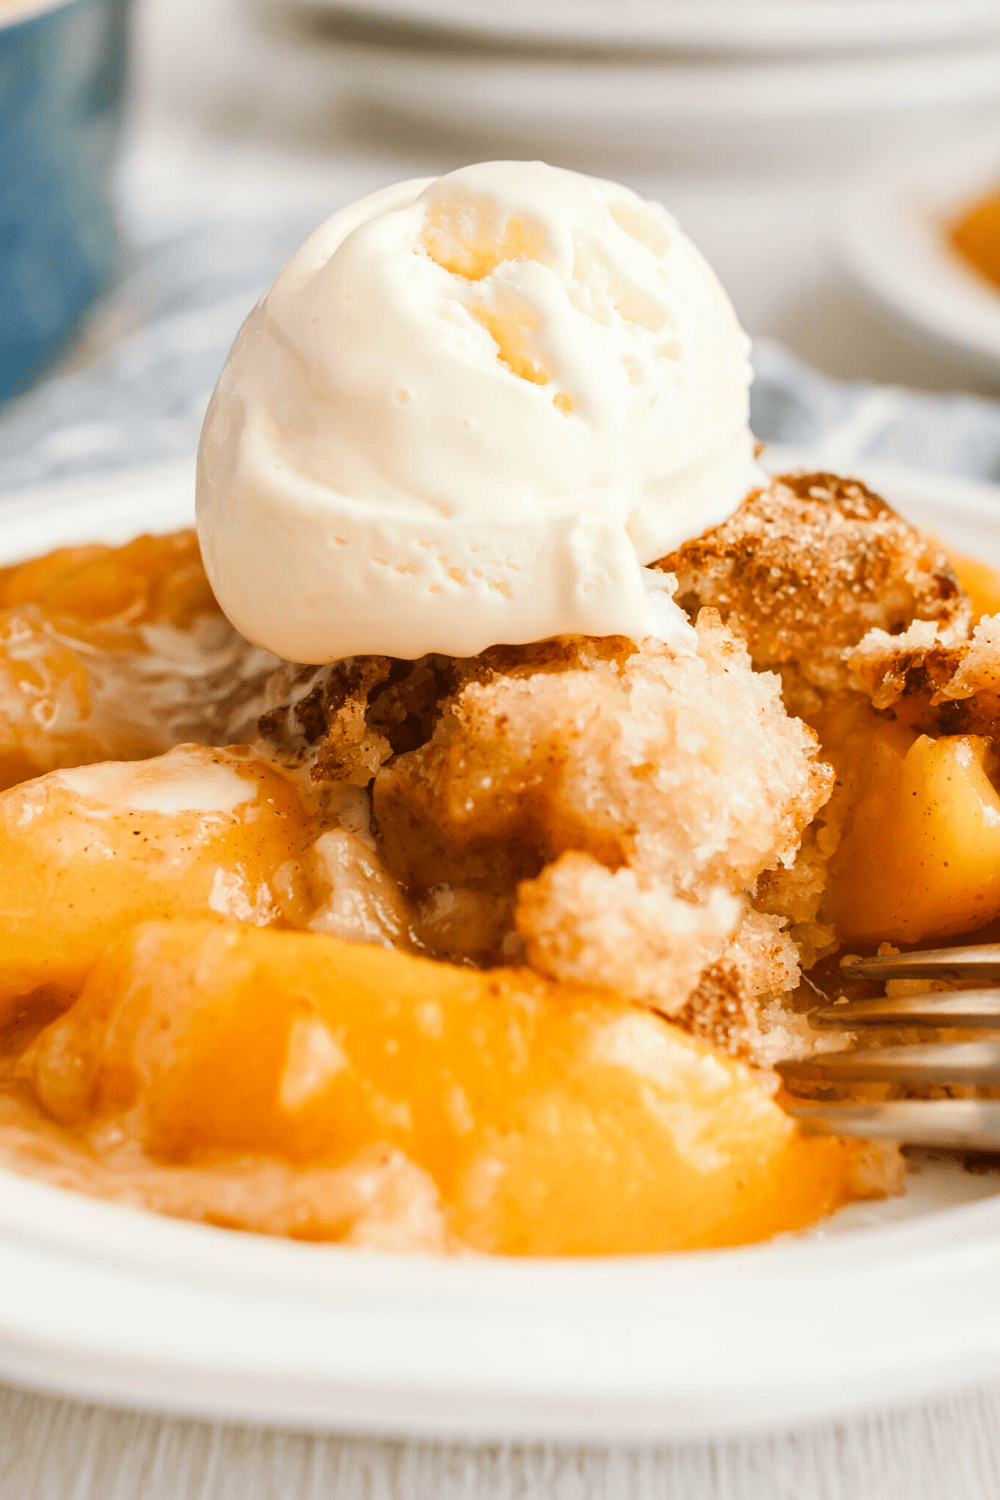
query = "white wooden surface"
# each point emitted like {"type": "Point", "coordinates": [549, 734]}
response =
{"type": "Point", "coordinates": [58, 1450]}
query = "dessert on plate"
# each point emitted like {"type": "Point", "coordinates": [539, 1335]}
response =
{"type": "Point", "coordinates": [435, 857]}
{"type": "Point", "coordinates": [976, 237]}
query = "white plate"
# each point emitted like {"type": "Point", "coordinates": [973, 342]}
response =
{"type": "Point", "coordinates": [780, 110]}
{"type": "Point", "coordinates": [716, 25]}
{"type": "Point", "coordinates": [893, 233]}
{"type": "Point", "coordinates": [889, 1302]}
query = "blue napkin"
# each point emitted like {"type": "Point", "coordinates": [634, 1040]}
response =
{"type": "Point", "coordinates": [793, 404]}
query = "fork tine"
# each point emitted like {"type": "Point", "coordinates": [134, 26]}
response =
{"type": "Point", "coordinates": [979, 961]}
{"type": "Point", "coordinates": [958, 1062]}
{"type": "Point", "coordinates": [953, 1124]}
{"type": "Point", "coordinates": [969, 1009]}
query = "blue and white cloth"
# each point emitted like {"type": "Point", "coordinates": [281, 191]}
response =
{"type": "Point", "coordinates": [132, 390]}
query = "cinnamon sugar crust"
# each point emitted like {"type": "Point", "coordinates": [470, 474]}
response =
{"type": "Point", "coordinates": [940, 686]}
{"type": "Point", "coordinates": [808, 566]}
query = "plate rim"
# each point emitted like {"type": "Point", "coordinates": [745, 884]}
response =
{"type": "Point", "coordinates": [888, 232]}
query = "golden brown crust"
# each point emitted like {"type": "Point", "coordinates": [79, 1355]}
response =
{"type": "Point", "coordinates": [805, 568]}
{"type": "Point", "coordinates": [345, 720]}
{"type": "Point", "coordinates": [936, 686]}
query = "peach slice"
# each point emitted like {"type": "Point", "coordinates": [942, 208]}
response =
{"type": "Point", "coordinates": [151, 580]}
{"type": "Point", "coordinates": [88, 852]}
{"type": "Point", "coordinates": [555, 1118]}
{"type": "Point", "coordinates": [976, 236]}
{"type": "Point", "coordinates": [113, 653]}
{"type": "Point", "coordinates": [980, 582]}
{"type": "Point", "coordinates": [920, 855]}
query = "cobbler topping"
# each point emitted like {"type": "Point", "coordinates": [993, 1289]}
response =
{"type": "Point", "coordinates": [805, 568]}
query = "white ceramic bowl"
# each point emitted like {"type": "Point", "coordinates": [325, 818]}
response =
{"type": "Point", "coordinates": [887, 1303]}
{"type": "Point", "coordinates": [738, 26]}
{"type": "Point", "coordinates": [893, 230]}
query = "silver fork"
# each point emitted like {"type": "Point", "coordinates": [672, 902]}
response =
{"type": "Point", "coordinates": [963, 1124]}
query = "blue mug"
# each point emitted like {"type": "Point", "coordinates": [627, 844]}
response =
{"type": "Point", "coordinates": [61, 83]}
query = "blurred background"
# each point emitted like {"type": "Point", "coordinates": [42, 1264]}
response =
{"type": "Point", "coordinates": [165, 158]}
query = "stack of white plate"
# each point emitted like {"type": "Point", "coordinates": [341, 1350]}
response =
{"type": "Point", "coordinates": [674, 80]}
{"type": "Point", "coordinates": [894, 233]}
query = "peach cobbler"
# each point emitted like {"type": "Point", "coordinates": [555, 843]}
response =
{"type": "Point", "coordinates": [484, 937]}
{"type": "Point", "coordinates": [976, 237]}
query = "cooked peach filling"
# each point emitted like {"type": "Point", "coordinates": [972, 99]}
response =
{"type": "Point", "coordinates": [553, 1118]}
{"type": "Point", "coordinates": [215, 994]}
{"type": "Point", "coordinates": [86, 853]}
{"type": "Point", "coordinates": [920, 851]}
{"type": "Point", "coordinates": [977, 238]}
{"type": "Point", "coordinates": [105, 589]}
{"type": "Point", "coordinates": [111, 653]}
{"type": "Point", "coordinates": [980, 582]}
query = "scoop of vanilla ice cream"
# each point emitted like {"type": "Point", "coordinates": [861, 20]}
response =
{"type": "Point", "coordinates": [468, 412]}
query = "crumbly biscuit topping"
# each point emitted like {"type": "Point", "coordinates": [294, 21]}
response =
{"type": "Point", "coordinates": [805, 568]}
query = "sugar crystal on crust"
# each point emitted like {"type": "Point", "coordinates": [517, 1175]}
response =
{"type": "Point", "coordinates": [806, 567]}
